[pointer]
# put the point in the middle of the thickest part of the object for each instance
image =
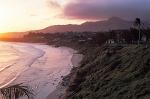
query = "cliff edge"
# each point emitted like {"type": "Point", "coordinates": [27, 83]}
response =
{"type": "Point", "coordinates": [112, 72]}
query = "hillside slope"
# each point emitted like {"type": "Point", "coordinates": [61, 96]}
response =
{"type": "Point", "coordinates": [112, 23]}
{"type": "Point", "coordinates": [111, 72]}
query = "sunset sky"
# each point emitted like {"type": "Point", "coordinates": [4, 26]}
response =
{"type": "Point", "coordinates": [24, 15]}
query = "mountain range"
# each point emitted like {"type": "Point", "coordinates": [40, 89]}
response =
{"type": "Point", "coordinates": [112, 23]}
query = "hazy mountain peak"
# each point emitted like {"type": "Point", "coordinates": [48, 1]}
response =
{"type": "Point", "coordinates": [113, 23]}
{"type": "Point", "coordinates": [115, 19]}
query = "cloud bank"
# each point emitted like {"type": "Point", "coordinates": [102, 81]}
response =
{"type": "Point", "coordinates": [98, 9]}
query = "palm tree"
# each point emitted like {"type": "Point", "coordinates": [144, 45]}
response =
{"type": "Point", "coordinates": [16, 91]}
{"type": "Point", "coordinates": [137, 23]}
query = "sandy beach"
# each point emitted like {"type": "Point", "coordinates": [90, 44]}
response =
{"type": "Point", "coordinates": [39, 66]}
{"type": "Point", "coordinates": [60, 89]}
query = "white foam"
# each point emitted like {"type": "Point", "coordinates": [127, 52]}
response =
{"type": "Point", "coordinates": [39, 66]}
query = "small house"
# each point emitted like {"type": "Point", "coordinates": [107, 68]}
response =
{"type": "Point", "coordinates": [110, 41]}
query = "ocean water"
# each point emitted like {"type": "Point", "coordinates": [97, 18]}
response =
{"type": "Point", "coordinates": [39, 66]}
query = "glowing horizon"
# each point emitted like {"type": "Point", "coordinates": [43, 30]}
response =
{"type": "Point", "coordinates": [24, 15]}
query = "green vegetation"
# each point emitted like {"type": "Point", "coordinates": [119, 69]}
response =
{"type": "Point", "coordinates": [112, 72]}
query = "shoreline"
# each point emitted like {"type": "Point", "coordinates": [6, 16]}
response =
{"type": "Point", "coordinates": [60, 90]}
{"type": "Point", "coordinates": [61, 66]}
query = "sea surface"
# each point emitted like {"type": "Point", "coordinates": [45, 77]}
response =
{"type": "Point", "coordinates": [37, 65]}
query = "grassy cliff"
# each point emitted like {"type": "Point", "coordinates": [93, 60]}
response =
{"type": "Point", "coordinates": [112, 72]}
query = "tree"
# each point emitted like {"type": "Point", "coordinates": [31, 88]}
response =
{"type": "Point", "coordinates": [16, 91]}
{"type": "Point", "coordinates": [137, 23]}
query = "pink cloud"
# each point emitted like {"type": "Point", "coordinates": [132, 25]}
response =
{"type": "Point", "coordinates": [97, 9]}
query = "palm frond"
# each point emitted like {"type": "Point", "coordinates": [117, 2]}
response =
{"type": "Point", "coordinates": [16, 91]}
{"type": "Point", "coordinates": [137, 22]}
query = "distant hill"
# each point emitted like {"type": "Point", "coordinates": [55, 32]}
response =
{"type": "Point", "coordinates": [110, 24]}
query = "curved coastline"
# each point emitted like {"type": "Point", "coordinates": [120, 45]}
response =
{"type": "Point", "coordinates": [37, 60]}
{"type": "Point", "coordinates": [26, 65]}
